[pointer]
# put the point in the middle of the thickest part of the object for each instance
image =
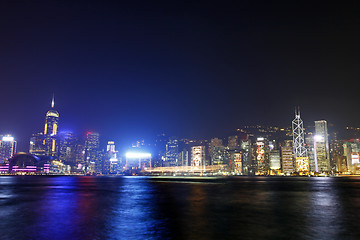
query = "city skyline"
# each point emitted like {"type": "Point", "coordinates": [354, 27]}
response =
{"type": "Point", "coordinates": [126, 143]}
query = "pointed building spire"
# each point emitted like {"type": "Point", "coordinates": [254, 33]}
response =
{"type": "Point", "coordinates": [297, 112]}
{"type": "Point", "coordinates": [53, 101]}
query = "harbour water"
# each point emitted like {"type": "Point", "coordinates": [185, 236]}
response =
{"type": "Point", "coordinates": [66, 207]}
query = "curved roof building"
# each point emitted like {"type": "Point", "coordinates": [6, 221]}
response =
{"type": "Point", "coordinates": [23, 162]}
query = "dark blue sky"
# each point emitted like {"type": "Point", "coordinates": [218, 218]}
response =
{"type": "Point", "coordinates": [192, 69]}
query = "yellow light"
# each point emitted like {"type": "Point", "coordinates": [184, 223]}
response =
{"type": "Point", "coordinates": [45, 130]}
{"type": "Point", "coordinates": [53, 145]}
{"type": "Point", "coordinates": [54, 128]}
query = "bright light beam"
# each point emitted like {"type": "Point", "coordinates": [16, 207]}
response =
{"type": "Point", "coordinates": [137, 155]}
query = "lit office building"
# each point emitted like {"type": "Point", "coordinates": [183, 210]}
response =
{"type": "Point", "coordinates": [246, 157]}
{"type": "Point", "coordinates": [50, 131]}
{"type": "Point", "coordinates": [110, 146]}
{"type": "Point", "coordinates": [159, 149]}
{"type": "Point", "coordinates": [309, 140]}
{"type": "Point", "coordinates": [300, 152]}
{"type": "Point", "coordinates": [351, 152]}
{"type": "Point", "coordinates": [67, 147]}
{"type": "Point", "coordinates": [37, 147]}
{"type": "Point", "coordinates": [215, 142]}
{"type": "Point", "coordinates": [321, 147]}
{"type": "Point", "coordinates": [219, 155]}
{"type": "Point", "coordinates": [287, 160]}
{"type": "Point", "coordinates": [275, 160]}
{"type": "Point", "coordinates": [236, 162]}
{"type": "Point", "coordinates": [234, 142]}
{"type": "Point", "coordinates": [111, 163]}
{"type": "Point", "coordinates": [7, 148]}
{"type": "Point", "coordinates": [172, 152]}
{"type": "Point", "coordinates": [184, 158]}
{"type": "Point", "coordinates": [198, 156]}
{"type": "Point", "coordinates": [261, 157]}
{"type": "Point", "coordinates": [91, 151]}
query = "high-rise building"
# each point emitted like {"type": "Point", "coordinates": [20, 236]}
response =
{"type": "Point", "coordinates": [287, 160]}
{"type": "Point", "coordinates": [298, 136]}
{"type": "Point", "coordinates": [236, 162]}
{"type": "Point", "coordinates": [275, 160]}
{"type": "Point", "coordinates": [321, 147]}
{"type": "Point", "coordinates": [91, 151]}
{"type": "Point", "coordinates": [184, 157]}
{"type": "Point", "coordinates": [50, 131]}
{"type": "Point", "coordinates": [198, 156]}
{"type": "Point", "coordinates": [7, 148]}
{"type": "Point", "coordinates": [111, 163]}
{"type": "Point", "coordinates": [215, 142]}
{"type": "Point", "coordinates": [262, 165]}
{"type": "Point", "coordinates": [247, 165]}
{"type": "Point", "coordinates": [309, 140]}
{"type": "Point", "coordinates": [219, 155]}
{"type": "Point", "coordinates": [351, 152]}
{"type": "Point", "coordinates": [159, 149]}
{"type": "Point", "coordinates": [172, 152]}
{"type": "Point", "coordinates": [300, 153]}
{"type": "Point", "coordinates": [234, 142]}
{"type": "Point", "coordinates": [67, 146]}
{"type": "Point", "coordinates": [37, 147]}
{"type": "Point", "coordinates": [110, 147]}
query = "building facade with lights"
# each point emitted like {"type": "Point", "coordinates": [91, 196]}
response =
{"type": "Point", "coordinates": [7, 148]}
{"type": "Point", "coordinates": [198, 156]}
{"type": "Point", "coordinates": [172, 153]}
{"type": "Point", "coordinates": [321, 147]}
{"type": "Point", "coordinates": [50, 131]}
{"type": "Point", "coordinates": [91, 154]}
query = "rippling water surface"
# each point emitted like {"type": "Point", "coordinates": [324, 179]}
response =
{"type": "Point", "coordinates": [158, 208]}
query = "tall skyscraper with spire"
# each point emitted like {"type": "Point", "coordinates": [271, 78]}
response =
{"type": "Point", "coordinates": [50, 130]}
{"type": "Point", "coordinates": [300, 153]}
{"type": "Point", "coordinates": [298, 136]}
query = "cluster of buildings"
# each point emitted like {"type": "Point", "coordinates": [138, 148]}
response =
{"type": "Point", "coordinates": [58, 152]}
{"type": "Point", "coordinates": [259, 150]}
{"type": "Point", "coordinates": [251, 150]}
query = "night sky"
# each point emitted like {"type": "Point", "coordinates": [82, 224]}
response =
{"type": "Point", "coordinates": [134, 69]}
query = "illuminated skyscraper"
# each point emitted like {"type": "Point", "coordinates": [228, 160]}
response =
{"type": "Point", "coordinates": [184, 157]}
{"type": "Point", "coordinates": [50, 131]}
{"type": "Point", "coordinates": [91, 150]}
{"type": "Point", "coordinates": [351, 153]}
{"type": "Point", "coordinates": [236, 162]}
{"type": "Point", "coordinates": [275, 160]}
{"type": "Point", "coordinates": [321, 147]}
{"type": "Point", "coordinates": [298, 136]}
{"type": "Point", "coordinates": [67, 147]}
{"type": "Point", "coordinates": [261, 156]}
{"type": "Point", "coordinates": [246, 157]}
{"type": "Point", "coordinates": [300, 153]}
{"type": "Point", "coordinates": [7, 148]}
{"type": "Point", "coordinates": [37, 147]}
{"type": "Point", "coordinates": [110, 147]}
{"type": "Point", "coordinates": [287, 158]}
{"type": "Point", "coordinates": [111, 163]}
{"type": "Point", "coordinates": [172, 151]}
{"type": "Point", "coordinates": [219, 155]}
{"type": "Point", "coordinates": [215, 142]}
{"type": "Point", "coordinates": [198, 156]}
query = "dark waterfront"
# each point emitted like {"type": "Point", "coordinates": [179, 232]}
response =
{"type": "Point", "coordinates": [146, 208]}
